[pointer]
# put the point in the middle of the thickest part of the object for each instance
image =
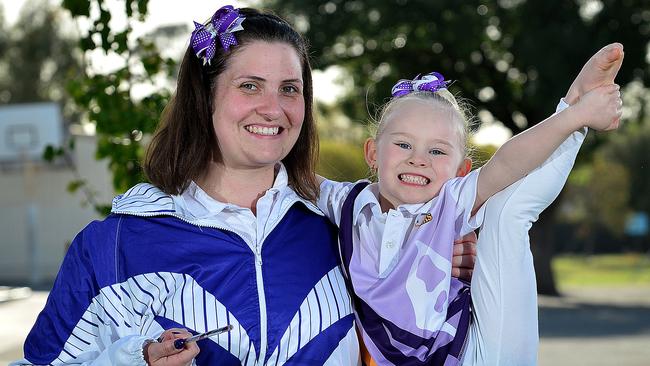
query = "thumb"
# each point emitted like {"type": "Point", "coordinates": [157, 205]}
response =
{"type": "Point", "coordinates": [163, 349]}
{"type": "Point", "coordinates": [611, 61]}
{"type": "Point", "coordinates": [613, 52]}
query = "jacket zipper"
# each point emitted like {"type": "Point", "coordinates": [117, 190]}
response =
{"type": "Point", "coordinates": [260, 287]}
{"type": "Point", "coordinates": [257, 252]}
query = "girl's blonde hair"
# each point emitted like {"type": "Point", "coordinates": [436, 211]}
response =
{"type": "Point", "coordinates": [441, 98]}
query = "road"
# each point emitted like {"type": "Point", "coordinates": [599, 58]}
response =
{"type": "Point", "coordinates": [585, 327]}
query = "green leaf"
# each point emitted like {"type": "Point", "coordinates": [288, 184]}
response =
{"type": "Point", "coordinates": [74, 185]}
{"type": "Point", "coordinates": [77, 7]}
{"type": "Point", "coordinates": [49, 153]}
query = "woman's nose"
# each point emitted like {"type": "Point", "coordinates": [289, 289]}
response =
{"type": "Point", "coordinates": [270, 107]}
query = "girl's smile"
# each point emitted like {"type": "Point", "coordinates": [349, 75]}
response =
{"type": "Point", "coordinates": [417, 151]}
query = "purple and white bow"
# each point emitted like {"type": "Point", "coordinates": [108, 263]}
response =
{"type": "Point", "coordinates": [223, 24]}
{"type": "Point", "coordinates": [431, 82]}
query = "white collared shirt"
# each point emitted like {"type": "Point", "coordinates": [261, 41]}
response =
{"type": "Point", "coordinates": [394, 226]}
{"type": "Point", "coordinates": [201, 209]}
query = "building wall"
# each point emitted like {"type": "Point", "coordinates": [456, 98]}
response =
{"type": "Point", "coordinates": [39, 217]}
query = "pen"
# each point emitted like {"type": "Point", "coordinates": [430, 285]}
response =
{"type": "Point", "coordinates": [180, 343]}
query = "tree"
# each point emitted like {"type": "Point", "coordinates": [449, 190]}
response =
{"type": "Point", "coordinates": [515, 57]}
{"type": "Point", "coordinates": [599, 197]}
{"type": "Point", "coordinates": [37, 56]}
{"type": "Point", "coordinates": [107, 100]}
{"type": "Point", "coordinates": [631, 149]}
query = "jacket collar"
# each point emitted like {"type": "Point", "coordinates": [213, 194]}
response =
{"type": "Point", "coordinates": [194, 205]}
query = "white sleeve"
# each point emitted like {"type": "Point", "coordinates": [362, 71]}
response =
{"type": "Point", "coordinates": [533, 193]}
{"type": "Point", "coordinates": [331, 198]}
{"type": "Point", "coordinates": [462, 192]}
{"type": "Point", "coordinates": [127, 351]}
{"type": "Point", "coordinates": [544, 184]}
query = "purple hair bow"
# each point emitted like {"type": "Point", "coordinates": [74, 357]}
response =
{"type": "Point", "coordinates": [431, 82]}
{"type": "Point", "coordinates": [223, 24]}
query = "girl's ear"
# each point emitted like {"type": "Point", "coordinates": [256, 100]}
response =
{"type": "Point", "coordinates": [465, 167]}
{"type": "Point", "coordinates": [370, 153]}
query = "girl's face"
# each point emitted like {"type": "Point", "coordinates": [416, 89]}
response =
{"type": "Point", "coordinates": [418, 150]}
{"type": "Point", "coordinates": [258, 105]}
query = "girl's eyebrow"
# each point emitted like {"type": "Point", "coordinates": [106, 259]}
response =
{"type": "Point", "coordinates": [404, 134]}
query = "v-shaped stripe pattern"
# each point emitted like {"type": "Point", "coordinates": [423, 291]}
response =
{"type": "Point", "coordinates": [130, 307]}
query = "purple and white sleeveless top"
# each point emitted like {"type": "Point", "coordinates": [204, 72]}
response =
{"type": "Point", "coordinates": [414, 313]}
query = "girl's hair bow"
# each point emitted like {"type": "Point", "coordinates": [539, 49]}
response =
{"type": "Point", "coordinates": [431, 82]}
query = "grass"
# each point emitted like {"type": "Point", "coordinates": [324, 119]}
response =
{"type": "Point", "coordinates": [611, 270]}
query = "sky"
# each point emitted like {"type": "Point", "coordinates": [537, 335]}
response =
{"type": "Point", "coordinates": [165, 12]}
{"type": "Point", "coordinates": [160, 11]}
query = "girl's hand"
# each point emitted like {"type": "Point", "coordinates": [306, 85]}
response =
{"type": "Point", "coordinates": [464, 257]}
{"type": "Point", "coordinates": [163, 352]}
{"type": "Point", "coordinates": [601, 108]}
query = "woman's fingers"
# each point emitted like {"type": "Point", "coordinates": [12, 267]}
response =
{"type": "Point", "coordinates": [464, 257]}
{"type": "Point", "coordinates": [164, 353]}
{"type": "Point", "coordinates": [172, 333]}
{"type": "Point", "coordinates": [462, 273]}
{"type": "Point", "coordinates": [464, 248]}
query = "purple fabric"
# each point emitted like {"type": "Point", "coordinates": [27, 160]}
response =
{"type": "Point", "coordinates": [430, 244]}
{"type": "Point", "coordinates": [431, 82]}
{"type": "Point", "coordinates": [223, 24]}
{"type": "Point", "coordinates": [387, 317]}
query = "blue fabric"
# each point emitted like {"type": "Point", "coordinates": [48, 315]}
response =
{"type": "Point", "coordinates": [296, 255]}
{"type": "Point", "coordinates": [319, 349]}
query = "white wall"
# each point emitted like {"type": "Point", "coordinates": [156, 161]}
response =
{"type": "Point", "coordinates": [35, 196]}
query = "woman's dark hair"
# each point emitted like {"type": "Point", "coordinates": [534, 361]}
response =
{"type": "Point", "coordinates": [184, 143]}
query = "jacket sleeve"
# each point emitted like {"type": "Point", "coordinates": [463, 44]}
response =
{"type": "Point", "coordinates": [535, 192]}
{"type": "Point", "coordinates": [331, 196]}
{"type": "Point", "coordinates": [72, 329]}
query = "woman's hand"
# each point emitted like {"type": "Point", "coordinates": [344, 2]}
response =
{"type": "Point", "coordinates": [163, 352]}
{"type": "Point", "coordinates": [464, 257]}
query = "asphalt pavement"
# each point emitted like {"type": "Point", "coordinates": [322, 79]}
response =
{"type": "Point", "coordinates": [584, 327]}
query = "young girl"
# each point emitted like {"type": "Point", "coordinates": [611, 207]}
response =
{"type": "Point", "coordinates": [396, 235]}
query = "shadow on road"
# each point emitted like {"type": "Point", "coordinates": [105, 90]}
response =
{"type": "Point", "coordinates": [586, 320]}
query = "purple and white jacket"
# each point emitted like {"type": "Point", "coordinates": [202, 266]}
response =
{"type": "Point", "coordinates": [154, 264]}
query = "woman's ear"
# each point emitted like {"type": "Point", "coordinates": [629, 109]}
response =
{"type": "Point", "coordinates": [465, 167]}
{"type": "Point", "coordinates": [370, 153]}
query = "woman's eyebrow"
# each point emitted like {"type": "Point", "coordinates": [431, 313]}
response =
{"type": "Point", "coordinates": [259, 78]}
{"type": "Point", "coordinates": [292, 81]}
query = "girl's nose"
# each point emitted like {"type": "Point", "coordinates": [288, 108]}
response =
{"type": "Point", "coordinates": [417, 161]}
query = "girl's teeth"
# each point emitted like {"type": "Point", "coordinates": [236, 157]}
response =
{"type": "Point", "coordinates": [265, 131]}
{"type": "Point", "coordinates": [412, 179]}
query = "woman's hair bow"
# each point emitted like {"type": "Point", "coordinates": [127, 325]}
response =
{"type": "Point", "coordinates": [223, 24]}
{"type": "Point", "coordinates": [431, 82]}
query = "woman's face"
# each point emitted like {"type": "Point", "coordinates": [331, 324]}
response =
{"type": "Point", "coordinates": [259, 106]}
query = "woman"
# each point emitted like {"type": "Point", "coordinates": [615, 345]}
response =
{"type": "Point", "coordinates": [226, 234]}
